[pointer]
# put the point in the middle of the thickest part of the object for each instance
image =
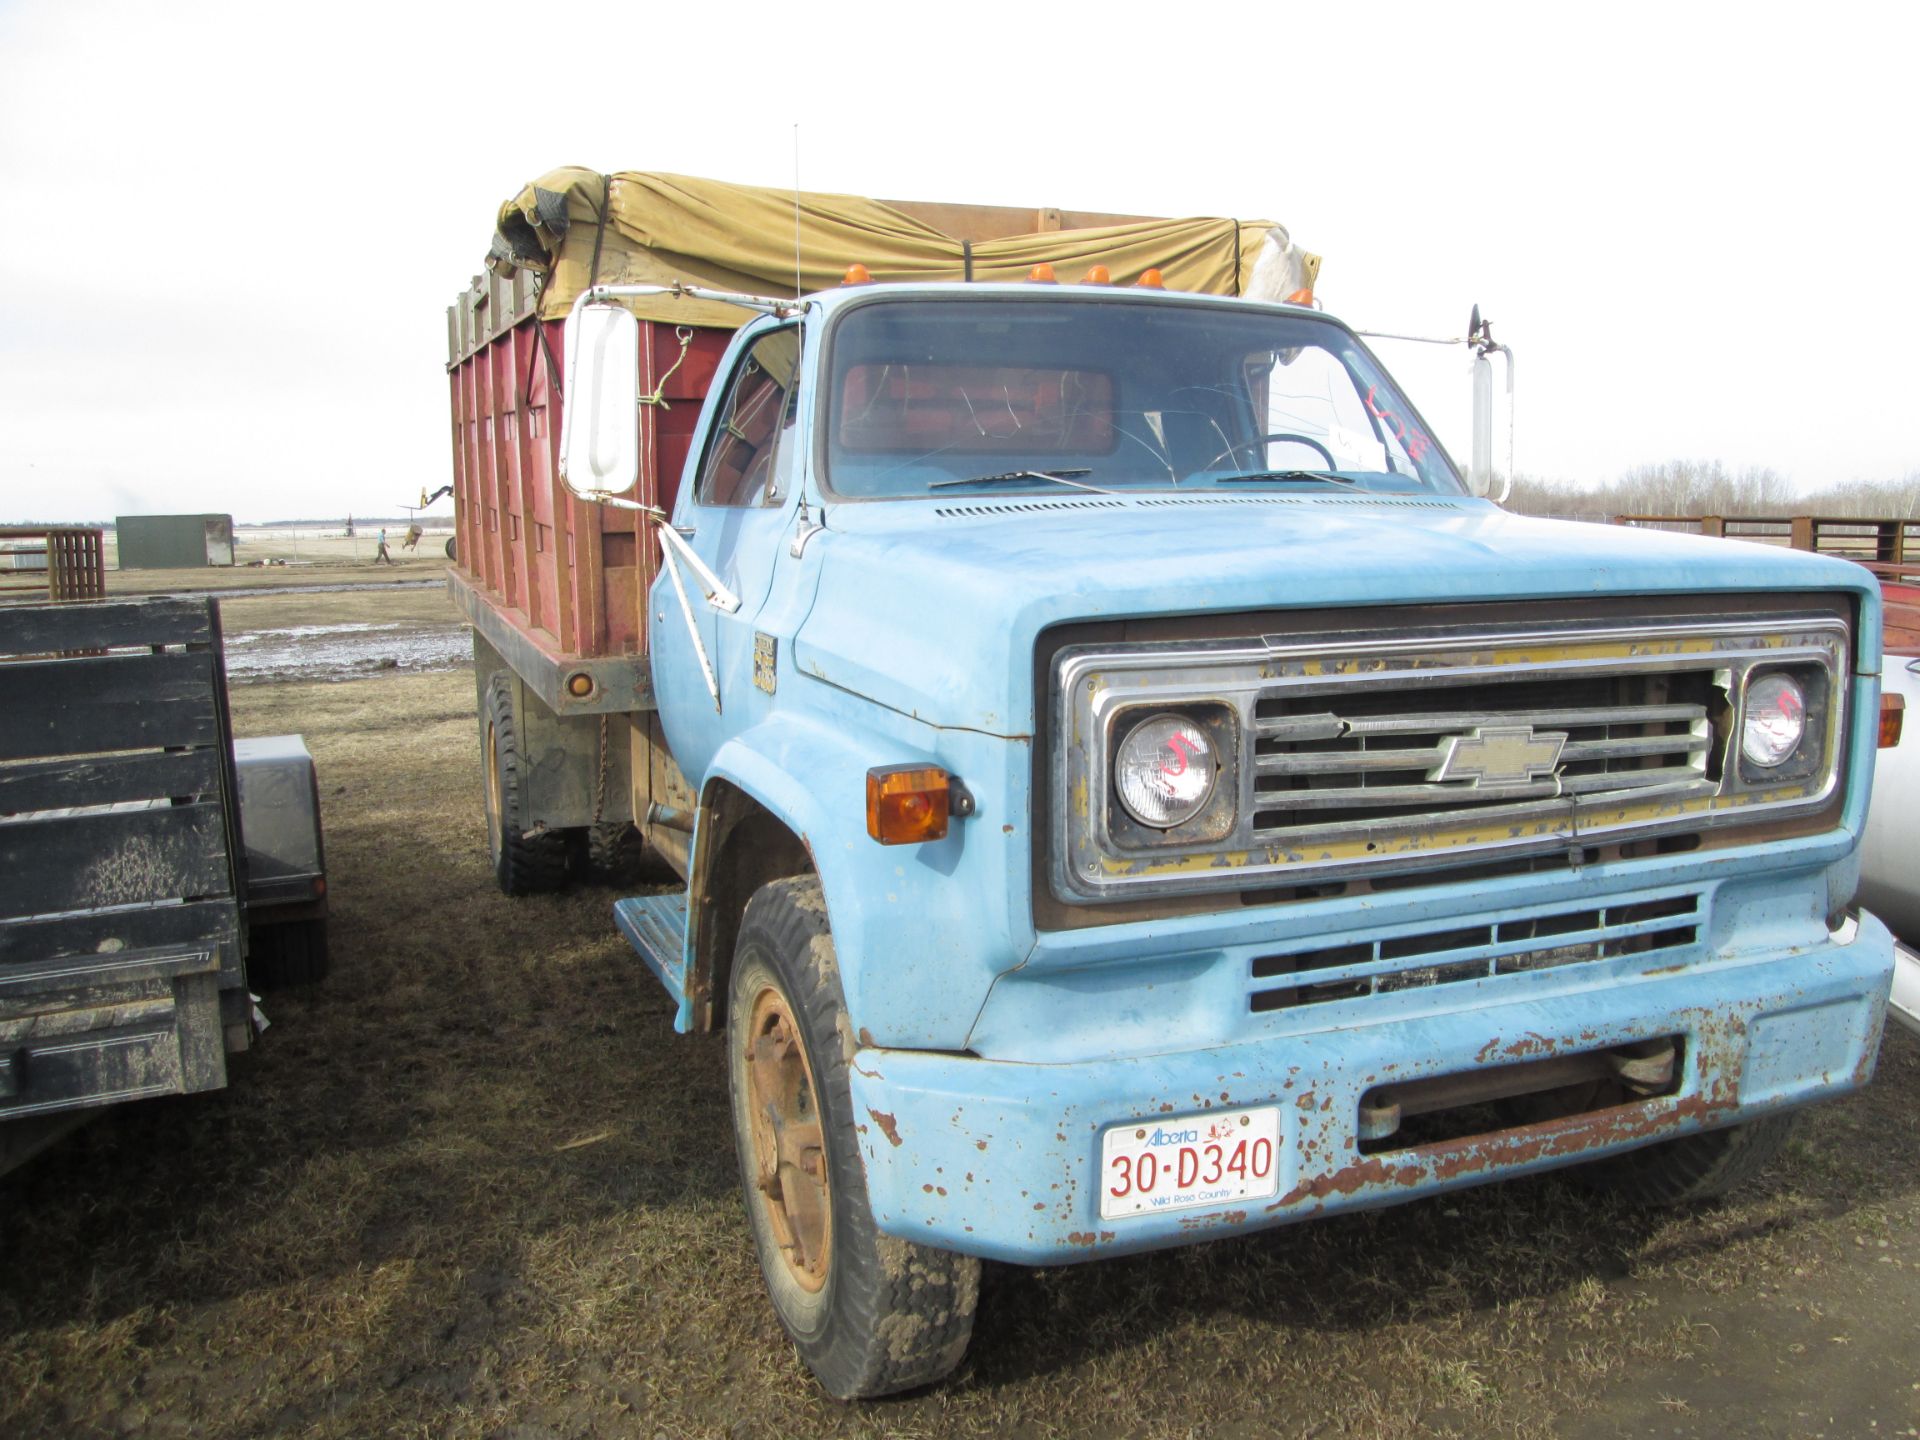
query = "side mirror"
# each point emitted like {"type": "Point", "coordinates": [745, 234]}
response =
{"type": "Point", "coordinates": [600, 434]}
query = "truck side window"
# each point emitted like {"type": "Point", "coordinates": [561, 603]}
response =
{"type": "Point", "coordinates": [750, 452]}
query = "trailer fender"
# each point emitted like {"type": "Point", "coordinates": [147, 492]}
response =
{"type": "Point", "coordinates": [788, 796]}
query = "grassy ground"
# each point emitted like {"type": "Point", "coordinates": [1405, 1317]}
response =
{"type": "Point", "coordinates": [475, 1186]}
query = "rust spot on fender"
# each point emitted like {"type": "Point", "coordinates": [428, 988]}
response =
{"type": "Point", "coordinates": [866, 1038]}
{"type": "Point", "coordinates": [889, 1126]}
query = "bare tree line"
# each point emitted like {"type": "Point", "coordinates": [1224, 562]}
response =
{"type": "Point", "coordinates": [1708, 487]}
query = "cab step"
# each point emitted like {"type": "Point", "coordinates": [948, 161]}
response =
{"type": "Point", "coordinates": [656, 926]}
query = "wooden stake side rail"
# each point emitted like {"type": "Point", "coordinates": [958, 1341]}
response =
{"type": "Point", "coordinates": [75, 566]}
{"type": "Point", "coordinates": [571, 576]}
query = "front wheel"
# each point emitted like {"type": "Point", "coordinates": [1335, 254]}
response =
{"type": "Point", "coordinates": [870, 1314]}
{"type": "Point", "coordinates": [1691, 1168]}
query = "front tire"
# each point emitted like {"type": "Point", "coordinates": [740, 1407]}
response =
{"type": "Point", "coordinates": [870, 1314]}
{"type": "Point", "coordinates": [1691, 1168]}
{"type": "Point", "coordinates": [523, 863]}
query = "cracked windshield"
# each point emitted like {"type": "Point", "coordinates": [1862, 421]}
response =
{"type": "Point", "coordinates": [950, 398]}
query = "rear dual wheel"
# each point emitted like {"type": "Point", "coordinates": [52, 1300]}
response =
{"type": "Point", "coordinates": [524, 862]}
{"type": "Point", "coordinates": [870, 1314]}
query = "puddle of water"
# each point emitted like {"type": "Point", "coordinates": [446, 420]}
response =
{"type": "Point", "coordinates": [345, 652]}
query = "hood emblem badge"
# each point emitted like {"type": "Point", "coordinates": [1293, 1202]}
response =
{"type": "Point", "coordinates": [1502, 755]}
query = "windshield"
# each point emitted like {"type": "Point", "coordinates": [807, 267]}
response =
{"type": "Point", "coordinates": [944, 396]}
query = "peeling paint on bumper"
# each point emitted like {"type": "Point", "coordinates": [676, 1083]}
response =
{"type": "Point", "coordinates": [1000, 1159]}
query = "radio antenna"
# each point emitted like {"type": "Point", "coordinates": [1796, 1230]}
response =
{"type": "Point", "coordinates": [797, 291]}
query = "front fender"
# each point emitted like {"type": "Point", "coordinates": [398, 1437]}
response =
{"type": "Point", "coordinates": [920, 931]}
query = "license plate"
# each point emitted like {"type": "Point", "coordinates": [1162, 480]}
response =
{"type": "Point", "coordinates": [1178, 1164]}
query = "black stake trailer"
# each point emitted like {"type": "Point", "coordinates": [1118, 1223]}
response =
{"type": "Point", "coordinates": [123, 875]}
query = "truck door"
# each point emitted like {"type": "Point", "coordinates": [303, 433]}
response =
{"type": "Point", "coordinates": [738, 516]}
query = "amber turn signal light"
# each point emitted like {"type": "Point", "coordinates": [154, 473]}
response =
{"type": "Point", "coordinates": [1097, 275]}
{"type": "Point", "coordinates": [1893, 713]}
{"type": "Point", "coordinates": [1151, 280]}
{"type": "Point", "coordinates": [857, 274]}
{"type": "Point", "coordinates": [907, 804]}
{"type": "Point", "coordinates": [1041, 274]}
{"type": "Point", "coordinates": [1301, 297]}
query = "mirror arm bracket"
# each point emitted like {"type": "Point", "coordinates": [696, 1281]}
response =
{"type": "Point", "coordinates": [717, 594]}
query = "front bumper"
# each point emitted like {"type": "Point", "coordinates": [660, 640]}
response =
{"type": "Point", "coordinates": [1002, 1159]}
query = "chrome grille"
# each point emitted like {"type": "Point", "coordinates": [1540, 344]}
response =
{"type": "Point", "coordinates": [1314, 763]}
{"type": "Point", "coordinates": [1378, 754]}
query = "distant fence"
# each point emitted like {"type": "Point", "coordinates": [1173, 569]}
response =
{"type": "Point", "coordinates": [51, 563]}
{"type": "Point", "coordinates": [1871, 542]}
{"type": "Point", "coordinates": [1888, 548]}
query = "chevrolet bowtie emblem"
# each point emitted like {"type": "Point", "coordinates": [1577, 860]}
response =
{"type": "Point", "coordinates": [1501, 755]}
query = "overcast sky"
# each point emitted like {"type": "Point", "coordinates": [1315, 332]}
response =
{"type": "Point", "coordinates": [231, 232]}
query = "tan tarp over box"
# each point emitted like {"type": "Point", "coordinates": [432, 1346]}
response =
{"type": "Point", "coordinates": [664, 228]}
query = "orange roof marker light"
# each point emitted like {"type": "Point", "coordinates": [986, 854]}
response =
{"type": "Point", "coordinates": [857, 274]}
{"type": "Point", "coordinates": [1302, 297]}
{"type": "Point", "coordinates": [1150, 280]}
{"type": "Point", "coordinates": [1097, 275]}
{"type": "Point", "coordinates": [1041, 274]}
{"type": "Point", "coordinates": [907, 804]}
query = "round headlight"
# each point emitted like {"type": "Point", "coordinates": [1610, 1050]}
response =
{"type": "Point", "coordinates": [1774, 720]}
{"type": "Point", "coordinates": [1165, 771]}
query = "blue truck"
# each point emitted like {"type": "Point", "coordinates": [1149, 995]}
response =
{"type": "Point", "coordinates": [1131, 790]}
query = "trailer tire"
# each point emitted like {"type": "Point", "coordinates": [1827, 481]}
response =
{"type": "Point", "coordinates": [524, 864]}
{"type": "Point", "coordinates": [293, 952]}
{"type": "Point", "coordinates": [870, 1314]}
{"type": "Point", "coordinates": [1691, 1168]}
{"type": "Point", "coordinates": [450, 549]}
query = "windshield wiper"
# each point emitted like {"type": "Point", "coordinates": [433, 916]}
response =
{"type": "Point", "coordinates": [1252, 477]}
{"type": "Point", "coordinates": [1058, 477]}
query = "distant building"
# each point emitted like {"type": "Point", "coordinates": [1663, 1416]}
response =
{"type": "Point", "coordinates": [173, 542]}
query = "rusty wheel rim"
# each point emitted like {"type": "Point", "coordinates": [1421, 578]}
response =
{"type": "Point", "coordinates": [789, 1145]}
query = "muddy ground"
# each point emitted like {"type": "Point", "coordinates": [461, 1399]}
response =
{"type": "Point", "coordinates": [474, 1185]}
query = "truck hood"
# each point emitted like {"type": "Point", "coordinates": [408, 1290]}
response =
{"type": "Point", "coordinates": [932, 609]}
